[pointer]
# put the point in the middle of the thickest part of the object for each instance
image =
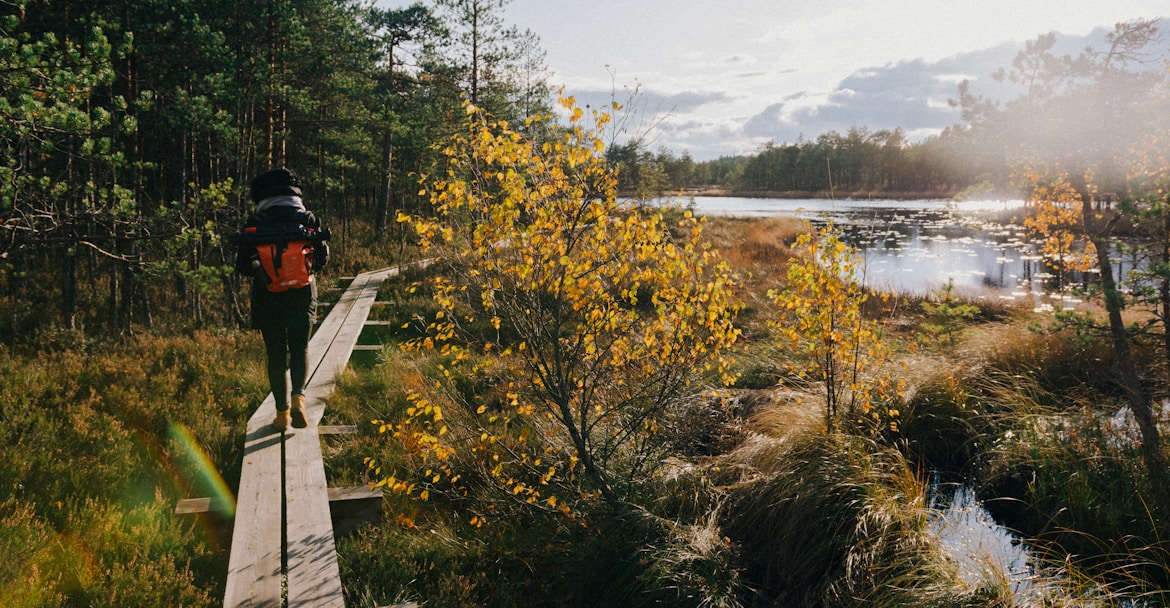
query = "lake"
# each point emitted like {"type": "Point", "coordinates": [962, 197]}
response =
{"type": "Point", "coordinates": [916, 246]}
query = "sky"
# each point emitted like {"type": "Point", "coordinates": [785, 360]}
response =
{"type": "Point", "coordinates": [723, 77]}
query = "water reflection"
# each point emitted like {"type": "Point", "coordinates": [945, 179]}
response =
{"type": "Point", "coordinates": [986, 553]}
{"type": "Point", "coordinates": [918, 246]}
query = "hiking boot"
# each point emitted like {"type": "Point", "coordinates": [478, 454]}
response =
{"type": "Point", "coordinates": [298, 411]}
{"type": "Point", "coordinates": [280, 423]}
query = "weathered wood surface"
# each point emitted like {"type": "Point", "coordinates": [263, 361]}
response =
{"type": "Point", "coordinates": [339, 429]}
{"type": "Point", "coordinates": [337, 495]}
{"type": "Point", "coordinates": [254, 564]}
{"type": "Point", "coordinates": [353, 507]}
{"type": "Point", "coordinates": [282, 482]}
{"type": "Point", "coordinates": [313, 577]}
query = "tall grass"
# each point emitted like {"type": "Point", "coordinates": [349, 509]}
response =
{"type": "Point", "coordinates": [1070, 477]}
{"type": "Point", "coordinates": [835, 521]}
{"type": "Point", "coordinates": [1037, 420]}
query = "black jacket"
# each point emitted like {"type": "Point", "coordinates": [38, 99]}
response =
{"type": "Point", "coordinates": [281, 309]}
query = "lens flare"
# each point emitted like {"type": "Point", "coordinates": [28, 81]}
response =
{"type": "Point", "coordinates": [207, 477]}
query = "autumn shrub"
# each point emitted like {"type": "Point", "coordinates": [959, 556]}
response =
{"type": "Point", "coordinates": [592, 316]}
{"type": "Point", "coordinates": [540, 264]}
{"type": "Point", "coordinates": [835, 344]}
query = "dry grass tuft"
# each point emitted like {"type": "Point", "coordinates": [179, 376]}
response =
{"type": "Point", "coordinates": [754, 244]}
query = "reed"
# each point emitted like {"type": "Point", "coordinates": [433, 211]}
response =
{"type": "Point", "coordinates": [834, 520]}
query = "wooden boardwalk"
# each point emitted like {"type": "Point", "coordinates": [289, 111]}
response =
{"type": "Point", "coordinates": [283, 551]}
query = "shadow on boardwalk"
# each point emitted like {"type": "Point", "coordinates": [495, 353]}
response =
{"type": "Point", "coordinates": [283, 550]}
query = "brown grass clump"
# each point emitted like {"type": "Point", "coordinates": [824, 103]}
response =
{"type": "Point", "coordinates": [754, 243]}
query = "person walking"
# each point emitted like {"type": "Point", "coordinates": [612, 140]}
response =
{"type": "Point", "coordinates": [281, 237]}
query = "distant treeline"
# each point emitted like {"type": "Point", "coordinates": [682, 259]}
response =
{"type": "Point", "coordinates": [860, 164]}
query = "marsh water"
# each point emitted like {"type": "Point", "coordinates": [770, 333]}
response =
{"type": "Point", "coordinates": [917, 246]}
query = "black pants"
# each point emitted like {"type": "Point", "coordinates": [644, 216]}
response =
{"type": "Point", "coordinates": [285, 321]}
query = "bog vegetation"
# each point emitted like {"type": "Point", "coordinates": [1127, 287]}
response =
{"type": "Point", "coordinates": [586, 400]}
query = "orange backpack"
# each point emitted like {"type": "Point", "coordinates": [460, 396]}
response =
{"type": "Point", "coordinates": [286, 265]}
{"type": "Point", "coordinates": [285, 254]}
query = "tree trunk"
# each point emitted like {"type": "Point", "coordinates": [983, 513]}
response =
{"type": "Point", "coordinates": [1139, 402]}
{"type": "Point", "coordinates": [115, 286]}
{"type": "Point", "coordinates": [69, 289]}
{"type": "Point", "coordinates": [384, 195]}
{"type": "Point", "coordinates": [1164, 287]}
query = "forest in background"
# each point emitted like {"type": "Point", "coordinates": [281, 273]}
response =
{"type": "Point", "coordinates": [129, 131]}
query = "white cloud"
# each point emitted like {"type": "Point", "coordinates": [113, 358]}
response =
{"type": "Point", "coordinates": [734, 73]}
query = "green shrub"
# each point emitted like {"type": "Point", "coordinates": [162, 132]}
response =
{"type": "Point", "coordinates": [93, 474]}
{"type": "Point", "coordinates": [103, 557]}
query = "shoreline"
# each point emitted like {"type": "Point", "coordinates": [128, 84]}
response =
{"type": "Point", "coordinates": [860, 195]}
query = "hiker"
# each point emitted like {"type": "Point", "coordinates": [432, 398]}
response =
{"type": "Point", "coordinates": [279, 238]}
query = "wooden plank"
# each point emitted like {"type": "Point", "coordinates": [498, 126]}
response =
{"type": "Point", "coordinates": [313, 575]}
{"type": "Point", "coordinates": [214, 504]}
{"type": "Point", "coordinates": [338, 429]}
{"type": "Point", "coordinates": [354, 493]}
{"type": "Point", "coordinates": [328, 328]}
{"type": "Point", "coordinates": [193, 506]}
{"type": "Point", "coordinates": [361, 296]}
{"type": "Point", "coordinates": [254, 563]}
{"type": "Point", "coordinates": [369, 348]}
{"type": "Point", "coordinates": [353, 507]}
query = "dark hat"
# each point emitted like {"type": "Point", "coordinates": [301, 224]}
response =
{"type": "Point", "coordinates": [277, 182]}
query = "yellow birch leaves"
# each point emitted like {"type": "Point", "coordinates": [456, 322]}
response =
{"type": "Point", "coordinates": [599, 312]}
{"type": "Point", "coordinates": [821, 319]}
{"type": "Point", "coordinates": [1056, 217]}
